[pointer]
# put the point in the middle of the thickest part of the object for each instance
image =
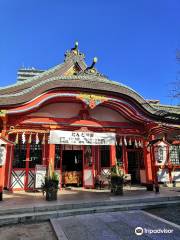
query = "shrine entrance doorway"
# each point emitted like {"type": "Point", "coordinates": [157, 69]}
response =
{"type": "Point", "coordinates": [72, 168]}
{"type": "Point", "coordinates": [135, 162]}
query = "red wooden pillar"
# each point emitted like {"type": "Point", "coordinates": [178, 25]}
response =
{"type": "Point", "coordinates": [148, 163]}
{"type": "Point", "coordinates": [8, 154]}
{"type": "Point", "coordinates": [10, 168]}
{"type": "Point", "coordinates": [125, 158]}
{"type": "Point", "coordinates": [8, 164]}
{"type": "Point", "coordinates": [112, 155]}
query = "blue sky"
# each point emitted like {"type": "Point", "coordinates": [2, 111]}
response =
{"type": "Point", "coordinates": [135, 40]}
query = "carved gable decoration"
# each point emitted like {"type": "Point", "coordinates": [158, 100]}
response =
{"type": "Point", "coordinates": [92, 100]}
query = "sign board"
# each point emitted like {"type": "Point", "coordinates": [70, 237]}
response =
{"type": "Point", "coordinates": [2, 155]}
{"type": "Point", "coordinates": [88, 178]}
{"type": "Point", "coordinates": [81, 138]}
{"type": "Point", "coordinates": [40, 172]}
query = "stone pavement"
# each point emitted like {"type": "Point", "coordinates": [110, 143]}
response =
{"type": "Point", "coordinates": [22, 207]}
{"type": "Point", "coordinates": [115, 226]}
{"type": "Point", "coordinates": [79, 195]}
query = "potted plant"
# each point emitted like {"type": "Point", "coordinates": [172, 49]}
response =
{"type": "Point", "coordinates": [50, 185]}
{"type": "Point", "coordinates": [117, 179]}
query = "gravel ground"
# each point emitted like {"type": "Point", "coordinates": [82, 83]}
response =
{"type": "Point", "coordinates": [171, 214]}
{"type": "Point", "coordinates": [36, 231]}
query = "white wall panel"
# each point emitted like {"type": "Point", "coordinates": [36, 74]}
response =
{"type": "Point", "coordinates": [58, 110]}
{"type": "Point", "coordinates": [105, 114]}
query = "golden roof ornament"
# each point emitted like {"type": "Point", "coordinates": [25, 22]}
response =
{"type": "Point", "coordinates": [74, 53]}
{"type": "Point", "coordinates": [75, 48]}
{"type": "Point", "coordinates": [92, 69]}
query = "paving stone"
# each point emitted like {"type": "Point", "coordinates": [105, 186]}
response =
{"type": "Point", "coordinates": [114, 226]}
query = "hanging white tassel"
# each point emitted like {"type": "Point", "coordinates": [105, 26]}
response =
{"type": "Point", "coordinates": [130, 142]}
{"type": "Point", "coordinates": [37, 138]}
{"type": "Point", "coordinates": [48, 139]}
{"type": "Point", "coordinates": [120, 142]}
{"type": "Point", "coordinates": [30, 138]}
{"type": "Point", "coordinates": [135, 143]}
{"type": "Point", "coordinates": [139, 143]}
{"type": "Point", "coordinates": [23, 138]}
{"type": "Point", "coordinates": [17, 139]}
{"type": "Point", "coordinates": [125, 141]}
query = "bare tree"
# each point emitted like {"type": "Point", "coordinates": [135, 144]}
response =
{"type": "Point", "coordinates": [175, 92]}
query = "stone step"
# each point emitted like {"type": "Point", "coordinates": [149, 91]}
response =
{"type": "Point", "coordinates": [58, 206]}
{"type": "Point", "coordinates": [29, 217]}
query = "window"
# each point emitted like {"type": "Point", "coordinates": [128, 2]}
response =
{"type": "Point", "coordinates": [19, 156]}
{"type": "Point", "coordinates": [105, 156]}
{"type": "Point", "coordinates": [35, 154]}
{"type": "Point", "coordinates": [57, 156]}
{"type": "Point", "coordinates": [175, 154]}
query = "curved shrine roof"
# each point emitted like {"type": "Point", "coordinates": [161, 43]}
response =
{"type": "Point", "coordinates": [74, 74]}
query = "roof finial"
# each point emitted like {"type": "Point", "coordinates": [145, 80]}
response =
{"type": "Point", "coordinates": [95, 59]}
{"type": "Point", "coordinates": [75, 48]}
{"type": "Point", "coordinates": [76, 44]}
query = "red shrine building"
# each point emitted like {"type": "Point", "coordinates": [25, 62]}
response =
{"type": "Point", "coordinates": [82, 122]}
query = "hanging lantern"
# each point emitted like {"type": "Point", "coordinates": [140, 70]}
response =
{"type": "Point", "coordinates": [17, 139]}
{"type": "Point", "coordinates": [37, 138]}
{"type": "Point", "coordinates": [23, 138]}
{"type": "Point", "coordinates": [130, 142]}
{"type": "Point", "coordinates": [161, 152]}
{"type": "Point", "coordinates": [30, 138]}
{"type": "Point", "coordinates": [120, 142]}
{"type": "Point", "coordinates": [125, 141]}
{"type": "Point", "coordinates": [44, 139]}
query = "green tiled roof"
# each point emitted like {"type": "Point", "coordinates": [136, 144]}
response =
{"type": "Point", "coordinates": [169, 108]}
